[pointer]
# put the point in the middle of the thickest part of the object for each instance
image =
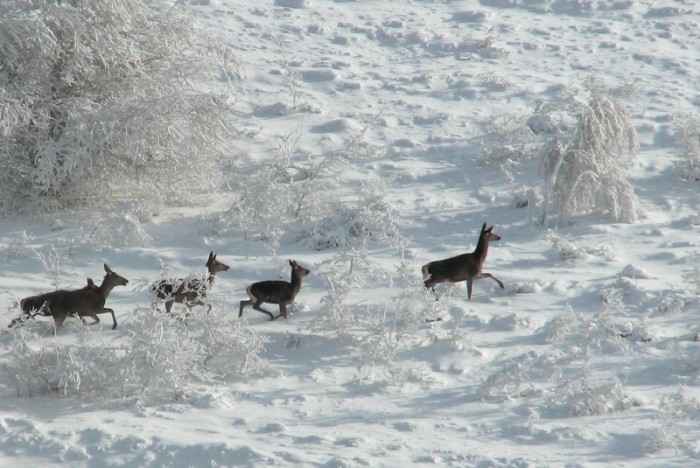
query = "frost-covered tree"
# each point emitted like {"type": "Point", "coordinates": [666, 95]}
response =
{"type": "Point", "coordinates": [105, 97]}
{"type": "Point", "coordinates": [585, 171]}
{"type": "Point", "coordinates": [687, 132]}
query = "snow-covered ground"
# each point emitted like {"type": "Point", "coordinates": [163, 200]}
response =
{"type": "Point", "coordinates": [585, 358]}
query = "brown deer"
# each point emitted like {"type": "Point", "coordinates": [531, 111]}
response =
{"type": "Point", "coordinates": [467, 266]}
{"type": "Point", "coordinates": [88, 301]}
{"type": "Point", "coordinates": [188, 291]}
{"type": "Point", "coordinates": [275, 292]}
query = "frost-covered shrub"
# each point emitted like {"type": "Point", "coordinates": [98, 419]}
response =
{"type": "Point", "coordinates": [288, 190]}
{"type": "Point", "coordinates": [675, 411]}
{"type": "Point", "coordinates": [52, 259]}
{"type": "Point", "coordinates": [370, 217]}
{"type": "Point", "coordinates": [509, 381]}
{"type": "Point", "coordinates": [687, 132]}
{"type": "Point", "coordinates": [376, 332]}
{"type": "Point", "coordinates": [584, 171]}
{"type": "Point", "coordinates": [101, 97]}
{"type": "Point", "coordinates": [569, 251]}
{"type": "Point", "coordinates": [389, 328]}
{"type": "Point", "coordinates": [517, 375]}
{"type": "Point", "coordinates": [345, 275]}
{"type": "Point", "coordinates": [509, 142]}
{"type": "Point", "coordinates": [603, 330]}
{"type": "Point", "coordinates": [582, 396]}
{"type": "Point", "coordinates": [692, 279]}
{"type": "Point", "coordinates": [667, 303]}
{"type": "Point", "coordinates": [42, 364]}
{"type": "Point", "coordinates": [118, 230]}
{"type": "Point", "coordinates": [160, 359]}
{"type": "Point", "coordinates": [19, 247]}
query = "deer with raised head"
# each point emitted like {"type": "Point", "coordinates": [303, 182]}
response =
{"type": "Point", "coordinates": [88, 301]}
{"type": "Point", "coordinates": [189, 291]}
{"type": "Point", "coordinates": [275, 292]}
{"type": "Point", "coordinates": [463, 267]}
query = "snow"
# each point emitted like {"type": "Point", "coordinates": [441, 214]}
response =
{"type": "Point", "coordinates": [587, 357]}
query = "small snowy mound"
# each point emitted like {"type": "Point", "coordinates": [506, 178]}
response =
{"type": "Point", "coordinates": [292, 3]}
{"type": "Point", "coordinates": [529, 287]}
{"type": "Point", "coordinates": [509, 322]}
{"type": "Point", "coordinates": [272, 110]}
{"type": "Point", "coordinates": [470, 16]}
{"type": "Point", "coordinates": [334, 126]}
{"type": "Point", "coordinates": [635, 272]}
{"type": "Point", "coordinates": [318, 76]}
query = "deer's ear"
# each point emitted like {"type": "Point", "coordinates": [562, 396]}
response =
{"type": "Point", "coordinates": [107, 269]}
{"type": "Point", "coordinates": [490, 229]}
{"type": "Point", "coordinates": [211, 255]}
{"type": "Point", "coordinates": [483, 228]}
{"type": "Point", "coordinates": [292, 263]}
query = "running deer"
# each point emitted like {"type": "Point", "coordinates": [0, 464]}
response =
{"type": "Point", "coordinates": [467, 266]}
{"type": "Point", "coordinates": [88, 301]}
{"type": "Point", "coordinates": [275, 292]}
{"type": "Point", "coordinates": [188, 291]}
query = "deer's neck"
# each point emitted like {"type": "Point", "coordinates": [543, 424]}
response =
{"type": "Point", "coordinates": [211, 278]}
{"type": "Point", "coordinates": [296, 283]}
{"type": "Point", "coordinates": [482, 248]}
{"type": "Point", "coordinates": [106, 287]}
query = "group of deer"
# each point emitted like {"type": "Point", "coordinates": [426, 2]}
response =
{"type": "Point", "coordinates": [89, 301]}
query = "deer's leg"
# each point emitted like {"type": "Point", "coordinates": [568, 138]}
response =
{"type": "Point", "coordinates": [257, 307]}
{"type": "Point", "coordinates": [470, 283]}
{"type": "Point", "coordinates": [242, 305]}
{"type": "Point", "coordinates": [114, 319]}
{"type": "Point", "coordinates": [58, 321]}
{"type": "Point", "coordinates": [105, 310]}
{"type": "Point", "coordinates": [283, 310]}
{"type": "Point", "coordinates": [168, 305]}
{"type": "Point", "coordinates": [489, 275]}
{"type": "Point", "coordinates": [188, 313]}
{"type": "Point", "coordinates": [94, 317]}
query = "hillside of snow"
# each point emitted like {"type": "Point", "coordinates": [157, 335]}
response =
{"type": "Point", "coordinates": [419, 123]}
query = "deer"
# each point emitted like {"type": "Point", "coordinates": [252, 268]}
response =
{"type": "Point", "coordinates": [275, 292]}
{"type": "Point", "coordinates": [88, 301]}
{"type": "Point", "coordinates": [463, 267]}
{"type": "Point", "coordinates": [189, 291]}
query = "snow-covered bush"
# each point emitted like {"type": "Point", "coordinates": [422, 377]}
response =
{"type": "Point", "coordinates": [289, 193]}
{"type": "Point", "coordinates": [569, 251]}
{"type": "Point", "coordinates": [692, 279]}
{"type": "Point", "coordinates": [687, 132]}
{"type": "Point", "coordinates": [106, 97]}
{"type": "Point", "coordinates": [518, 375]}
{"type": "Point", "coordinates": [584, 171]}
{"type": "Point", "coordinates": [388, 329]}
{"type": "Point", "coordinates": [509, 381]}
{"type": "Point", "coordinates": [582, 396]}
{"type": "Point", "coordinates": [346, 274]}
{"type": "Point", "coordinates": [603, 330]}
{"type": "Point", "coordinates": [118, 230]}
{"type": "Point", "coordinates": [508, 144]}
{"type": "Point", "coordinates": [20, 246]}
{"type": "Point", "coordinates": [370, 217]}
{"type": "Point", "coordinates": [42, 364]}
{"type": "Point", "coordinates": [675, 410]}
{"type": "Point", "coordinates": [52, 259]}
{"type": "Point", "coordinates": [159, 360]}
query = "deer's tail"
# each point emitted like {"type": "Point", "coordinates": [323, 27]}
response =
{"type": "Point", "coordinates": [426, 271]}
